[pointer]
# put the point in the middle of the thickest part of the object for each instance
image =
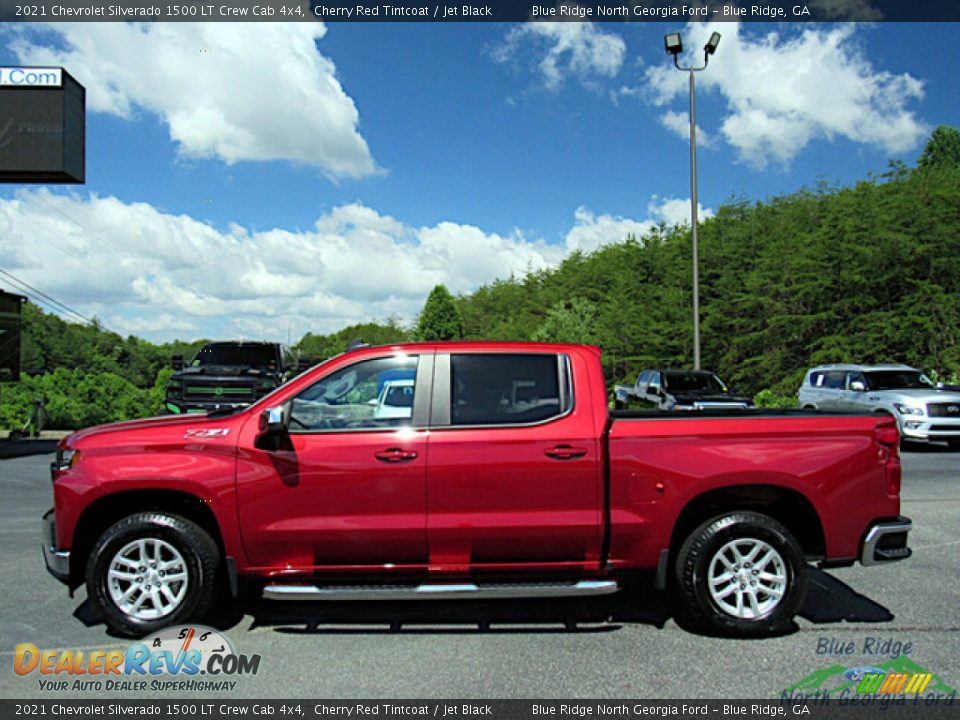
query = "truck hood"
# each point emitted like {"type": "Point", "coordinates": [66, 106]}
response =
{"type": "Point", "coordinates": [918, 396]}
{"type": "Point", "coordinates": [169, 428]}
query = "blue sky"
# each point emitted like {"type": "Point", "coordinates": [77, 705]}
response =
{"type": "Point", "coordinates": [267, 180]}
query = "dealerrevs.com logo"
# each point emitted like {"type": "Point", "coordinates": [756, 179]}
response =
{"type": "Point", "coordinates": [180, 658]}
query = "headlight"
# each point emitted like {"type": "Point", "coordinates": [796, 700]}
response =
{"type": "Point", "coordinates": [908, 409]}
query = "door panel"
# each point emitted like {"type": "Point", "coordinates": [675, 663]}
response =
{"type": "Point", "coordinates": [350, 489]}
{"type": "Point", "coordinates": [499, 490]}
{"type": "Point", "coordinates": [852, 400]}
{"type": "Point", "coordinates": [831, 389]}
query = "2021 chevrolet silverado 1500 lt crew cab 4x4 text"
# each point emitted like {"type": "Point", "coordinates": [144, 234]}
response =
{"type": "Point", "coordinates": [507, 476]}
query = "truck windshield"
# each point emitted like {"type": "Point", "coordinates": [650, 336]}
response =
{"type": "Point", "coordinates": [689, 382]}
{"type": "Point", "coordinates": [246, 355]}
{"type": "Point", "coordinates": [897, 380]}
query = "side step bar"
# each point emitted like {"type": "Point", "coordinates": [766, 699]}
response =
{"type": "Point", "coordinates": [431, 591]}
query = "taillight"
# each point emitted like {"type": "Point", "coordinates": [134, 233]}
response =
{"type": "Point", "coordinates": [888, 437]}
{"type": "Point", "coordinates": [888, 434]}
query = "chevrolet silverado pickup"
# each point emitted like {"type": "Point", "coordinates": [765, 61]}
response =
{"type": "Point", "coordinates": [506, 475]}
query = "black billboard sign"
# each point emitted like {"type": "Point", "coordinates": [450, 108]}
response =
{"type": "Point", "coordinates": [10, 307]}
{"type": "Point", "coordinates": [42, 126]}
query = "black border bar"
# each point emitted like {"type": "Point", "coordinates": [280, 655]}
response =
{"type": "Point", "coordinates": [667, 11]}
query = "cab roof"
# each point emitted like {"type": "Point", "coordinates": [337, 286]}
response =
{"type": "Point", "coordinates": [850, 367]}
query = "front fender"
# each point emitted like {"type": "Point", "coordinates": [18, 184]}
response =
{"type": "Point", "coordinates": [205, 472]}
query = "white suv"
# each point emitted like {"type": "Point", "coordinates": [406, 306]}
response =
{"type": "Point", "coordinates": [922, 411]}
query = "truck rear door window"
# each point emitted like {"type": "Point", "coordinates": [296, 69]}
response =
{"type": "Point", "coordinates": [507, 389]}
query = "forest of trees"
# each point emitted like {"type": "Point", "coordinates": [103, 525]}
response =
{"type": "Point", "coordinates": [868, 273]}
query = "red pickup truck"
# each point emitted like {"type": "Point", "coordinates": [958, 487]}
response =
{"type": "Point", "coordinates": [502, 474]}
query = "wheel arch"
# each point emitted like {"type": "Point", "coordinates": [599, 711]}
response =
{"type": "Point", "coordinates": [787, 506]}
{"type": "Point", "coordinates": [109, 509]}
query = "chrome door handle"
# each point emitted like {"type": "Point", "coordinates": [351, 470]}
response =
{"type": "Point", "coordinates": [565, 452]}
{"type": "Point", "coordinates": [395, 455]}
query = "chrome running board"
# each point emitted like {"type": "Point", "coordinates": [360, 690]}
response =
{"type": "Point", "coordinates": [437, 591]}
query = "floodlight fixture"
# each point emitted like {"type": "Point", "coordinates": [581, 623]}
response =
{"type": "Point", "coordinates": [673, 43]}
{"type": "Point", "coordinates": [711, 47]}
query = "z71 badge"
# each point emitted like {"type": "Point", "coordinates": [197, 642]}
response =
{"type": "Point", "coordinates": [207, 433]}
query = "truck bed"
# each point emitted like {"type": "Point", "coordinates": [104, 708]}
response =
{"type": "Point", "coordinates": [805, 461]}
{"type": "Point", "coordinates": [726, 413]}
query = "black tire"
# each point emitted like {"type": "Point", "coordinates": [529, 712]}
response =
{"type": "Point", "coordinates": [953, 444]}
{"type": "Point", "coordinates": [700, 554]}
{"type": "Point", "coordinates": [201, 560]}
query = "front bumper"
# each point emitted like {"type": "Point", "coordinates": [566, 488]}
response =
{"type": "Point", "coordinates": [57, 561]}
{"type": "Point", "coordinates": [886, 542]}
{"type": "Point", "coordinates": [916, 427]}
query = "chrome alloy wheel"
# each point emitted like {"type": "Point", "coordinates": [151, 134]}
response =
{"type": "Point", "coordinates": [747, 578]}
{"type": "Point", "coordinates": [147, 578]}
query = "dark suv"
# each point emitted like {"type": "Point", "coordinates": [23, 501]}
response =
{"type": "Point", "coordinates": [226, 375]}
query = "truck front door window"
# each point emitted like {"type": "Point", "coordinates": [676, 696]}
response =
{"type": "Point", "coordinates": [367, 395]}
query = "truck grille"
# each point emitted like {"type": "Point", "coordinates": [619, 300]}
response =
{"type": "Point", "coordinates": [944, 410]}
{"type": "Point", "coordinates": [214, 392]}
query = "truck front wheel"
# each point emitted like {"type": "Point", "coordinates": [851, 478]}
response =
{"type": "Point", "coordinates": [742, 574]}
{"type": "Point", "coordinates": [152, 570]}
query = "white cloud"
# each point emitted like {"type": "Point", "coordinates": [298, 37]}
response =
{"type": "Point", "coordinates": [199, 77]}
{"type": "Point", "coordinates": [783, 92]}
{"type": "Point", "coordinates": [162, 276]}
{"type": "Point", "coordinates": [675, 211]}
{"type": "Point", "coordinates": [566, 48]}
{"type": "Point", "coordinates": [591, 231]}
{"type": "Point", "coordinates": [141, 325]}
{"type": "Point", "coordinates": [679, 124]}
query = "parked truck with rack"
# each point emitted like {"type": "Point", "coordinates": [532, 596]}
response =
{"type": "Point", "coordinates": [229, 374]}
{"type": "Point", "coordinates": [505, 475]}
{"type": "Point", "coordinates": [679, 390]}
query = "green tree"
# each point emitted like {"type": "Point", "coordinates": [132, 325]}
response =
{"type": "Point", "coordinates": [569, 322]}
{"type": "Point", "coordinates": [440, 319]}
{"type": "Point", "coordinates": [942, 149]}
{"type": "Point", "coordinates": [315, 348]}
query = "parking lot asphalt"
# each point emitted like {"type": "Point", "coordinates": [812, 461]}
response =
{"type": "Point", "coordinates": [623, 646]}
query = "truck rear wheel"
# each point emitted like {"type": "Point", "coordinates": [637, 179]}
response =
{"type": "Point", "coordinates": [741, 574]}
{"type": "Point", "coordinates": [152, 570]}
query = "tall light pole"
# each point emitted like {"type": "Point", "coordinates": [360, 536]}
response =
{"type": "Point", "coordinates": [674, 46]}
